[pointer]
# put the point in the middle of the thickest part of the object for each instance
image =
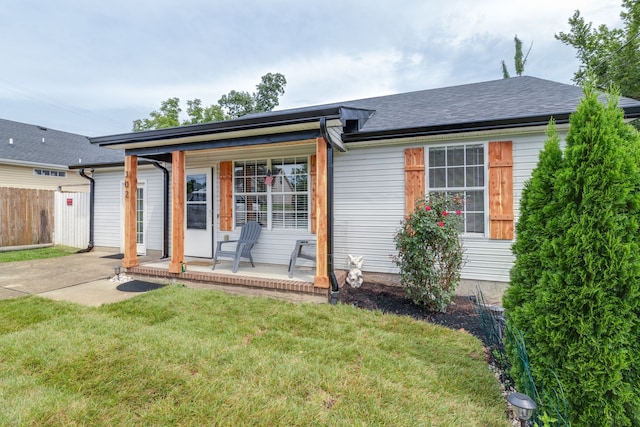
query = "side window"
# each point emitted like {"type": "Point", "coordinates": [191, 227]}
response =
{"type": "Point", "coordinates": [460, 170]}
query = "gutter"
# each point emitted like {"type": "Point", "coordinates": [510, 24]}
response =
{"type": "Point", "coordinates": [165, 210]}
{"type": "Point", "coordinates": [92, 199]}
{"type": "Point", "coordinates": [335, 287]}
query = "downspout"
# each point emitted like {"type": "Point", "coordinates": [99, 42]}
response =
{"type": "Point", "coordinates": [92, 199]}
{"type": "Point", "coordinates": [335, 287]}
{"type": "Point", "coordinates": [165, 210]}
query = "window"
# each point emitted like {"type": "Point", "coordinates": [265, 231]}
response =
{"type": "Point", "coordinates": [197, 201]}
{"type": "Point", "coordinates": [459, 170]}
{"type": "Point", "coordinates": [49, 172]}
{"type": "Point", "coordinates": [273, 192]}
{"type": "Point", "coordinates": [140, 216]}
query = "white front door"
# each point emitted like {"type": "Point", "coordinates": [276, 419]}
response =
{"type": "Point", "coordinates": [199, 214]}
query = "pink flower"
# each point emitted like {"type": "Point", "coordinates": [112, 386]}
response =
{"type": "Point", "coordinates": [441, 224]}
{"type": "Point", "coordinates": [458, 212]}
{"type": "Point", "coordinates": [427, 208]}
{"type": "Point", "coordinates": [445, 213]}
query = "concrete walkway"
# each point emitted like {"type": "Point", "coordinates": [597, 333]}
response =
{"type": "Point", "coordinates": [85, 279]}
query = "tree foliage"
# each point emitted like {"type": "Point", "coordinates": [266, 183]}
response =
{"type": "Point", "coordinates": [584, 324]}
{"type": "Point", "coordinates": [230, 106]}
{"type": "Point", "coordinates": [519, 59]}
{"type": "Point", "coordinates": [538, 208]}
{"type": "Point", "coordinates": [611, 54]}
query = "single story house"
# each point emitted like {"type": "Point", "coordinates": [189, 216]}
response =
{"type": "Point", "coordinates": [342, 174]}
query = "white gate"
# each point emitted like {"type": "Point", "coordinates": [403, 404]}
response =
{"type": "Point", "coordinates": [71, 219]}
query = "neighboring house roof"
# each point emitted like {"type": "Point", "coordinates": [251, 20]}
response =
{"type": "Point", "coordinates": [26, 144]}
{"type": "Point", "coordinates": [497, 104]}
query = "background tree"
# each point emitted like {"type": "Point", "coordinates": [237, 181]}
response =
{"type": "Point", "coordinates": [230, 106]}
{"type": "Point", "coordinates": [612, 55]}
{"type": "Point", "coordinates": [519, 59]}
{"type": "Point", "coordinates": [586, 329]}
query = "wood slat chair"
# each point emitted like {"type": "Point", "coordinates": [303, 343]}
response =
{"type": "Point", "coordinates": [248, 238]}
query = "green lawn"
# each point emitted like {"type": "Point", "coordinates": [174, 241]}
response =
{"type": "Point", "coordinates": [31, 254]}
{"type": "Point", "coordinates": [180, 356]}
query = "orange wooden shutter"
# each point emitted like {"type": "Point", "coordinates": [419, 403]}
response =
{"type": "Point", "coordinates": [226, 196]}
{"type": "Point", "coordinates": [501, 190]}
{"type": "Point", "coordinates": [413, 177]}
{"type": "Point", "coordinates": [314, 180]}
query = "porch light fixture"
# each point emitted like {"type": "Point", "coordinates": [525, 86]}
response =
{"type": "Point", "coordinates": [523, 406]}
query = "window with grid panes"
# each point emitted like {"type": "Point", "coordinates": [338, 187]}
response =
{"type": "Point", "coordinates": [290, 193]}
{"type": "Point", "coordinates": [250, 191]}
{"type": "Point", "coordinates": [282, 204]}
{"type": "Point", "coordinates": [459, 170]}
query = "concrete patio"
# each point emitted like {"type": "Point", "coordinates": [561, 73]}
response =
{"type": "Point", "coordinates": [86, 279]}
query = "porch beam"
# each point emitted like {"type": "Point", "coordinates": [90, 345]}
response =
{"type": "Point", "coordinates": [321, 279]}
{"type": "Point", "coordinates": [177, 211]}
{"type": "Point", "coordinates": [130, 207]}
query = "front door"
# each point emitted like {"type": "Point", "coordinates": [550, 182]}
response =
{"type": "Point", "coordinates": [199, 213]}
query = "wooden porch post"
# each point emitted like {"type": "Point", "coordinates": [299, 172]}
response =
{"type": "Point", "coordinates": [130, 207]}
{"type": "Point", "coordinates": [177, 211]}
{"type": "Point", "coordinates": [321, 280]}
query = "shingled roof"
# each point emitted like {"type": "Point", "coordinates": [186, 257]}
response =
{"type": "Point", "coordinates": [514, 100]}
{"type": "Point", "coordinates": [497, 104]}
{"type": "Point", "coordinates": [22, 143]}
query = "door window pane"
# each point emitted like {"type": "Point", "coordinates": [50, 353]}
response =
{"type": "Point", "coordinates": [197, 216]}
{"type": "Point", "coordinates": [197, 201]}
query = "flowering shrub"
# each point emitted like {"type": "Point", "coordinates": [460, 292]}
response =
{"type": "Point", "coordinates": [430, 251]}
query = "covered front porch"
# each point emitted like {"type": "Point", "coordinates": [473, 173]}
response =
{"type": "Point", "coordinates": [238, 157]}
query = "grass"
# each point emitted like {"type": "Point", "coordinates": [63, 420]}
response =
{"type": "Point", "coordinates": [180, 356]}
{"type": "Point", "coordinates": [41, 253]}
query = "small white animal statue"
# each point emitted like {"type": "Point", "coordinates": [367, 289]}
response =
{"type": "Point", "coordinates": [354, 278]}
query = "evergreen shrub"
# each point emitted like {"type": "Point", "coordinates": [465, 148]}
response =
{"type": "Point", "coordinates": [583, 326]}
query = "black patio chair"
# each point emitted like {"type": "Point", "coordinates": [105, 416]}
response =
{"type": "Point", "coordinates": [248, 238]}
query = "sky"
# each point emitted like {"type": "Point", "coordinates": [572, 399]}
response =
{"type": "Point", "coordinates": [93, 67]}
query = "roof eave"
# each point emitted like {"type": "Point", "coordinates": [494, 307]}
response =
{"type": "Point", "coordinates": [241, 124]}
{"type": "Point", "coordinates": [507, 123]}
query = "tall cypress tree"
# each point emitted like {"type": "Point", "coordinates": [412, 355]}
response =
{"type": "Point", "coordinates": [587, 302]}
{"type": "Point", "coordinates": [537, 209]}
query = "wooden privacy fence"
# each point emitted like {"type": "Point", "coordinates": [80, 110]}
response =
{"type": "Point", "coordinates": [26, 216]}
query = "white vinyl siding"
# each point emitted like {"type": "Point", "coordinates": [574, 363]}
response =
{"type": "Point", "coordinates": [108, 207]}
{"type": "Point", "coordinates": [369, 206]}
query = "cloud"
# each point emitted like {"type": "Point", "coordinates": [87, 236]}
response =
{"type": "Point", "coordinates": [123, 57]}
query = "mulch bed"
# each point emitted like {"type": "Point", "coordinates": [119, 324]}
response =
{"type": "Point", "coordinates": [462, 314]}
